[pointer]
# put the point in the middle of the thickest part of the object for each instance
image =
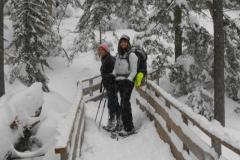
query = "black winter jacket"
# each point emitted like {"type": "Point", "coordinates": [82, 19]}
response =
{"type": "Point", "coordinates": [108, 62]}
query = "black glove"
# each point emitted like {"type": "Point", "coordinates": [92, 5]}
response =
{"type": "Point", "coordinates": [127, 82]}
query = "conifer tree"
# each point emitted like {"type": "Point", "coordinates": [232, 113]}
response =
{"type": "Point", "coordinates": [31, 42]}
{"type": "Point", "coordinates": [97, 16]}
{"type": "Point", "coordinates": [105, 15]}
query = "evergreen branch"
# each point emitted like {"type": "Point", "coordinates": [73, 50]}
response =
{"type": "Point", "coordinates": [3, 39]}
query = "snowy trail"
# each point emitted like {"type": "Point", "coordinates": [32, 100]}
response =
{"type": "Point", "coordinates": [145, 145]}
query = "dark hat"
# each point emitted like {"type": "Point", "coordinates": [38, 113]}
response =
{"type": "Point", "coordinates": [124, 36]}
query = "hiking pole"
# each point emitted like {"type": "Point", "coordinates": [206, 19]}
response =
{"type": "Point", "coordinates": [99, 103]}
{"type": "Point", "coordinates": [102, 112]}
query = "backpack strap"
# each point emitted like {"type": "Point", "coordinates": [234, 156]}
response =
{"type": "Point", "coordinates": [127, 57]}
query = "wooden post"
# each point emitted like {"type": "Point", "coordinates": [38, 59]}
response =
{"type": "Point", "coordinates": [217, 146]}
{"type": "Point", "coordinates": [64, 156]}
{"type": "Point", "coordinates": [186, 122]}
{"type": "Point", "coordinates": [90, 85]}
{"type": "Point", "coordinates": [169, 106]}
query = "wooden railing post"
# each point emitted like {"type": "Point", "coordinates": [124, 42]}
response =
{"type": "Point", "coordinates": [169, 106]}
{"type": "Point", "coordinates": [217, 146]}
{"type": "Point", "coordinates": [64, 156]}
{"type": "Point", "coordinates": [186, 122]}
{"type": "Point", "coordinates": [90, 85]}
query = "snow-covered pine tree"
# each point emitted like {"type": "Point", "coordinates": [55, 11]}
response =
{"type": "Point", "coordinates": [132, 14]}
{"type": "Point", "coordinates": [198, 44]}
{"type": "Point", "coordinates": [98, 16]}
{"type": "Point", "coordinates": [201, 101]}
{"type": "Point", "coordinates": [232, 57]}
{"type": "Point", "coordinates": [32, 30]}
{"type": "Point", "coordinates": [158, 26]}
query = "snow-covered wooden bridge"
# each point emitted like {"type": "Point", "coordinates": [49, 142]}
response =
{"type": "Point", "coordinates": [170, 118]}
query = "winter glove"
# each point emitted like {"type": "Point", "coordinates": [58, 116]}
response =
{"type": "Point", "coordinates": [138, 79]}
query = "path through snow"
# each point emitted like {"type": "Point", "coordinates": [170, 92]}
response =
{"type": "Point", "coordinates": [145, 145]}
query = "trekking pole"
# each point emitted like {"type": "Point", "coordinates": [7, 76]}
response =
{"type": "Point", "coordinates": [99, 103]}
{"type": "Point", "coordinates": [102, 112]}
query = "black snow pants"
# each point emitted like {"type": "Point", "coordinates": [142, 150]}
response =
{"type": "Point", "coordinates": [125, 90]}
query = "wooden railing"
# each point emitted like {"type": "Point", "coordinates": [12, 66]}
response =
{"type": "Point", "coordinates": [168, 123]}
{"type": "Point", "coordinates": [170, 128]}
{"type": "Point", "coordinates": [69, 147]}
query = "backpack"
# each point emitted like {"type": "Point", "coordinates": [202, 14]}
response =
{"type": "Point", "coordinates": [141, 66]}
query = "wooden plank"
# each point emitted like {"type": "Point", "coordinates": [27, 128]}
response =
{"type": "Point", "coordinates": [88, 79]}
{"type": "Point", "coordinates": [61, 150]}
{"type": "Point", "coordinates": [89, 89]}
{"type": "Point", "coordinates": [96, 98]}
{"type": "Point", "coordinates": [77, 134]}
{"type": "Point", "coordinates": [82, 136]}
{"type": "Point", "coordinates": [162, 133]}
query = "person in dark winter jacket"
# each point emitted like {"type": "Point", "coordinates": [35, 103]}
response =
{"type": "Point", "coordinates": [124, 73]}
{"type": "Point", "coordinates": [108, 82]}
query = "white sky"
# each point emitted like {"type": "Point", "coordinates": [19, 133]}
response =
{"type": "Point", "coordinates": [97, 144]}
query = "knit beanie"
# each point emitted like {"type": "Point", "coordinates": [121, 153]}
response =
{"type": "Point", "coordinates": [104, 46]}
{"type": "Point", "coordinates": [124, 36]}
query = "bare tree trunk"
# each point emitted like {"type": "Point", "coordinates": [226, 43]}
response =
{"type": "Point", "coordinates": [219, 87]}
{"type": "Point", "coordinates": [2, 85]}
{"type": "Point", "coordinates": [178, 32]}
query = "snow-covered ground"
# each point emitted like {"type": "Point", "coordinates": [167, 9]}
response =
{"type": "Point", "coordinates": [55, 104]}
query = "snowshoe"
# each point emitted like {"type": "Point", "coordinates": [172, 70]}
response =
{"type": "Point", "coordinates": [111, 126]}
{"type": "Point", "coordinates": [123, 133]}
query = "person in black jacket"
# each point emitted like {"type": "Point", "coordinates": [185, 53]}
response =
{"type": "Point", "coordinates": [108, 62]}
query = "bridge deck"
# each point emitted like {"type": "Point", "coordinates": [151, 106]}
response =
{"type": "Point", "coordinates": [145, 145]}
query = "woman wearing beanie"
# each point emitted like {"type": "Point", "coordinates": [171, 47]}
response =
{"type": "Point", "coordinates": [125, 73]}
{"type": "Point", "coordinates": [108, 82]}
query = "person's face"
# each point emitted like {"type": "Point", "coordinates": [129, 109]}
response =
{"type": "Point", "coordinates": [101, 52]}
{"type": "Point", "coordinates": [123, 43]}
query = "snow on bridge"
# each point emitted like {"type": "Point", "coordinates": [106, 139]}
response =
{"type": "Point", "coordinates": [145, 145]}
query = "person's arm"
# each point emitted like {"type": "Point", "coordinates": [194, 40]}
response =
{"type": "Point", "coordinates": [133, 59]}
{"type": "Point", "coordinates": [115, 66]}
{"type": "Point", "coordinates": [112, 63]}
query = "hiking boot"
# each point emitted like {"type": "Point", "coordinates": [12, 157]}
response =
{"type": "Point", "coordinates": [125, 133]}
{"type": "Point", "coordinates": [111, 125]}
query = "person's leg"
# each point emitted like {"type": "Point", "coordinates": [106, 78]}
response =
{"type": "Point", "coordinates": [119, 125]}
{"type": "Point", "coordinates": [125, 93]}
{"type": "Point", "coordinates": [112, 101]}
{"type": "Point", "coordinates": [111, 110]}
